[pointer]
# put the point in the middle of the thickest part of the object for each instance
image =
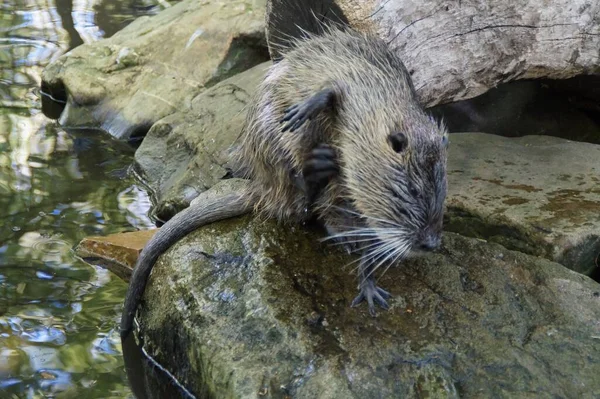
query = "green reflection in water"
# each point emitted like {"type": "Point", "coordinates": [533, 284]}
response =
{"type": "Point", "coordinates": [59, 316]}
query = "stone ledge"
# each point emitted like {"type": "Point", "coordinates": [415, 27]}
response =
{"type": "Point", "coordinates": [536, 194]}
{"type": "Point", "coordinates": [116, 252]}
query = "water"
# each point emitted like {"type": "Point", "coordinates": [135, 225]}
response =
{"type": "Point", "coordinates": [59, 316]}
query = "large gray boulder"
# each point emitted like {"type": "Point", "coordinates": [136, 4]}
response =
{"type": "Point", "coordinates": [187, 152]}
{"type": "Point", "coordinates": [156, 65]}
{"type": "Point", "coordinates": [246, 309]}
{"type": "Point", "coordinates": [536, 194]}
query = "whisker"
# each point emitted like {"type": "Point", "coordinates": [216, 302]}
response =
{"type": "Point", "coordinates": [350, 263]}
{"type": "Point", "coordinates": [396, 259]}
{"type": "Point", "coordinates": [363, 257]}
{"type": "Point", "coordinates": [361, 230]}
{"type": "Point", "coordinates": [347, 234]}
{"type": "Point", "coordinates": [365, 232]}
{"type": "Point", "coordinates": [355, 241]}
{"type": "Point", "coordinates": [385, 257]}
{"type": "Point", "coordinates": [373, 255]}
{"type": "Point", "coordinates": [367, 257]}
{"type": "Point", "coordinates": [370, 231]}
{"type": "Point", "coordinates": [392, 254]}
{"type": "Point", "coordinates": [360, 215]}
{"type": "Point", "coordinates": [371, 245]}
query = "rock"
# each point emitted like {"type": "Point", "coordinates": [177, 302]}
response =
{"type": "Point", "coordinates": [188, 152]}
{"type": "Point", "coordinates": [459, 50]}
{"type": "Point", "coordinates": [156, 65]}
{"type": "Point", "coordinates": [116, 252]}
{"type": "Point", "coordinates": [244, 308]}
{"type": "Point", "coordinates": [536, 194]}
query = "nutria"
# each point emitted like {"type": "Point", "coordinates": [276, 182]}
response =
{"type": "Point", "coordinates": [334, 132]}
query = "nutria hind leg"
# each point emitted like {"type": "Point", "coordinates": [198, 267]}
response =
{"type": "Point", "coordinates": [368, 290]}
{"type": "Point", "coordinates": [319, 168]}
{"type": "Point", "coordinates": [297, 114]}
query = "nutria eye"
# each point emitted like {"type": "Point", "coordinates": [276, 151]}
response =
{"type": "Point", "coordinates": [398, 141]}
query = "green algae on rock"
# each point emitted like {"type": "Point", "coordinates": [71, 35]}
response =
{"type": "Point", "coordinates": [241, 307]}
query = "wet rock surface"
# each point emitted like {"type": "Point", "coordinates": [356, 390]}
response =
{"type": "Point", "coordinates": [536, 194]}
{"type": "Point", "coordinates": [257, 309]}
{"type": "Point", "coordinates": [156, 65]}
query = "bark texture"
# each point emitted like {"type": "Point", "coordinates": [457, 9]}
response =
{"type": "Point", "coordinates": [459, 49]}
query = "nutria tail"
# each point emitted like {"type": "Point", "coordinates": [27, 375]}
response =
{"type": "Point", "coordinates": [196, 215]}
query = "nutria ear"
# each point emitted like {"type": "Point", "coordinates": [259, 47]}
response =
{"type": "Point", "coordinates": [398, 141]}
{"type": "Point", "coordinates": [445, 140]}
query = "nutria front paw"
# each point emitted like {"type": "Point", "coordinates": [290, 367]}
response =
{"type": "Point", "coordinates": [319, 168]}
{"type": "Point", "coordinates": [372, 293]}
{"type": "Point", "coordinates": [297, 114]}
{"type": "Point", "coordinates": [321, 165]}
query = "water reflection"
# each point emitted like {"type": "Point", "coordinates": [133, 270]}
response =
{"type": "Point", "coordinates": [59, 316]}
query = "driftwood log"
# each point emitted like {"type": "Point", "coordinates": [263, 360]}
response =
{"type": "Point", "coordinates": [459, 49]}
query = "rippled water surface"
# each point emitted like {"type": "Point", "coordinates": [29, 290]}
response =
{"type": "Point", "coordinates": [58, 315]}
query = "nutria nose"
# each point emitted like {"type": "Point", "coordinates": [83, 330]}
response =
{"type": "Point", "coordinates": [431, 242]}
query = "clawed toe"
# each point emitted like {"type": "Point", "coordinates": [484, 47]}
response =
{"type": "Point", "coordinates": [373, 294]}
{"type": "Point", "coordinates": [385, 294]}
{"type": "Point", "coordinates": [288, 114]}
{"type": "Point", "coordinates": [297, 114]}
{"type": "Point", "coordinates": [319, 168]}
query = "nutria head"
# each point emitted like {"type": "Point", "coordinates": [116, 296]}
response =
{"type": "Point", "coordinates": [395, 176]}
